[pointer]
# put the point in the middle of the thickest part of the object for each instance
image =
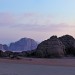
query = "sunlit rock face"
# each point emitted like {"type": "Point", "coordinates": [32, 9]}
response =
{"type": "Point", "coordinates": [52, 47]}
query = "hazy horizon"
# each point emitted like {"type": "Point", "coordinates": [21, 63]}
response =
{"type": "Point", "coordinates": [36, 19]}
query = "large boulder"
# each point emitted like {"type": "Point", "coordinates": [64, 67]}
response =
{"type": "Point", "coordinates": [52, 47]}
{"type": "Point", "coordinates": [69, 43]}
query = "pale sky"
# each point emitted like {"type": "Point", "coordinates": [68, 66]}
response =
{"type": "Point", "coordinates": [36, 19]}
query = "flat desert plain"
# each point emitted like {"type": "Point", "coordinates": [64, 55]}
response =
{"type": "Point", "coordinates": [37, 66]}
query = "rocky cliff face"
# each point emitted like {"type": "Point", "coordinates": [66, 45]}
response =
{"type": "Point", "coordinates": [1, 47]}
{"type": "Point", "coordinates": [23, 45]}
{"type": "Point", "coordinates": [5, 47]}
{"type": "Point", "coordinates": [52, 47]}
{"type": "Point", "coordinates": [69, 43]}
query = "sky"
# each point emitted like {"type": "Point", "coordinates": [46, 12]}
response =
{"type": "Point", "coordinates": [36, 19]}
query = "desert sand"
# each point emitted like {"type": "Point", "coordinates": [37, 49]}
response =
{"type": "Point", "coordinates": [42, 61]}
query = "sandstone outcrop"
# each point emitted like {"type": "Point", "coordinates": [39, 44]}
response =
{"type": "Point", "coordinates": [52, 47]}
{"type": "Point", "coordinates": [69, 43]}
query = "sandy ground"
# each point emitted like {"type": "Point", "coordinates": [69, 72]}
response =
{"type": "Point", "coordinates": [39, 61]}
{"type": "Point", "coordinates": [37, 66]}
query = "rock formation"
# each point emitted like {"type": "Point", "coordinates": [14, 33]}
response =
{"type": "Point", "coordinates": [52, 47]}
{"type": "Point", "coordinates": [69, 43]}
{"type": "Point", "coordinates": [23, 44]}
{"type": "Point", "coordinates": [1, 47]}
{"type": "Point", "coordinates": [5, 47]}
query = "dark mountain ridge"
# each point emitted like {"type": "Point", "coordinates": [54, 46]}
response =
{"type": "Point", "coordinates": [53, 47]}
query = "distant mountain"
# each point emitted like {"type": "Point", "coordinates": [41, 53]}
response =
{"type": "Point", "coordinates": [5, 47]}
{"type": "Point", "coordinates": [1, 47]}
{"type": "Point", "coordinates": [23, 44]}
